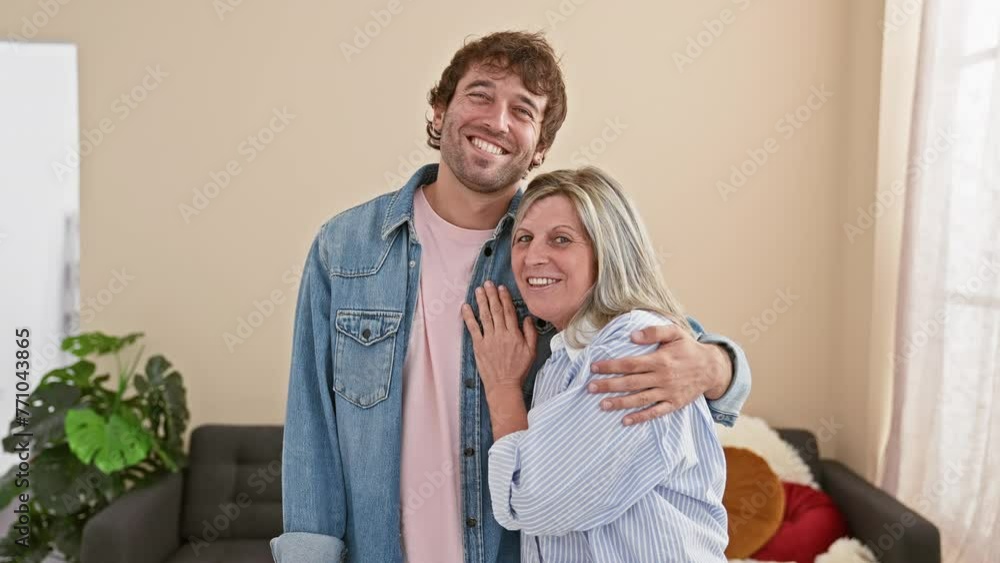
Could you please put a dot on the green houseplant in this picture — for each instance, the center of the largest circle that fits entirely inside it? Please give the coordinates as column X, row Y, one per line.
column 90, row 443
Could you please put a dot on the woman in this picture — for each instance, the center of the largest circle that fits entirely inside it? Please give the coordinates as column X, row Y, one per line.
column 579, row 484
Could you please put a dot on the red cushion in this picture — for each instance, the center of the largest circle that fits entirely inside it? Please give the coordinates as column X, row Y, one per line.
column 811, row 524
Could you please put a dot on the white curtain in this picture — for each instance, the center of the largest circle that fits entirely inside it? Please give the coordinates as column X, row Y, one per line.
column 943, row 453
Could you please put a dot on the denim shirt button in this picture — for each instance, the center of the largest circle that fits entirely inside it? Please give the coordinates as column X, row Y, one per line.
column 471, row 522
column 413, row 263
column 488, row 252
column 469, row 452
column 470, row 383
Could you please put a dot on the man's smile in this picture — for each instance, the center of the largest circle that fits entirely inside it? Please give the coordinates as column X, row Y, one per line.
column 486, row 146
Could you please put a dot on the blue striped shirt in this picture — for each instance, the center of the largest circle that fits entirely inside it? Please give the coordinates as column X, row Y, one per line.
column 581, row 486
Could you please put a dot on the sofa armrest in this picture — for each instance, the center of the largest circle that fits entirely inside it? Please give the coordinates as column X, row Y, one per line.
column 142, row 525
column 892, row 531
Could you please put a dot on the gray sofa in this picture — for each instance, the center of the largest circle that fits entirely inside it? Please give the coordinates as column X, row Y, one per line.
column 231, row 489
column 226, row 505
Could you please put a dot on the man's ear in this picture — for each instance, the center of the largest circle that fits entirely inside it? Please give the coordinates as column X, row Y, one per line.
column 438, row 120
column 539, row 157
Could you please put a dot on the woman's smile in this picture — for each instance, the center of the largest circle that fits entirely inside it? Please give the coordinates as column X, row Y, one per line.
column 541, row 283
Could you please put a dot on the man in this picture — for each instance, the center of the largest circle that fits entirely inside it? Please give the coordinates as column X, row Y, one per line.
column 387, row 432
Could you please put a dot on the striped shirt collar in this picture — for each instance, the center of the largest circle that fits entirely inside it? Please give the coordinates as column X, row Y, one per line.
column 585, row 331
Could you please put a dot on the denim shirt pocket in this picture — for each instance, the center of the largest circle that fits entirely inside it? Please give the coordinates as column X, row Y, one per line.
column 364, row 355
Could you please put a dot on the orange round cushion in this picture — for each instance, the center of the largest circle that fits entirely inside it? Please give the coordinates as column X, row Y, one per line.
column 754, row 500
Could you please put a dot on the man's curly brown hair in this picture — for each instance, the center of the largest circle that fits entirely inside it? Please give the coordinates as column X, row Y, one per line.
column 529, row 56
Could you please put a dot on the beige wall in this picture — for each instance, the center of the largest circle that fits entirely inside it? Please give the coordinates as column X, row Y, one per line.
column 683, row 129
column 851, row 392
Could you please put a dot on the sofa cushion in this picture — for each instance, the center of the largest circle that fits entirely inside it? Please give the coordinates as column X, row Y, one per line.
column 811, row 524
column 232, row 485
column 754, row 501
column 224, row 551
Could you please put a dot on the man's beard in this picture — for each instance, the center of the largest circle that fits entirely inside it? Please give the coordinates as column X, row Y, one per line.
column 471, row 171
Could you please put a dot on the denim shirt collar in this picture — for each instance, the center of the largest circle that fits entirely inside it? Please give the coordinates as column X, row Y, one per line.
column 400, row 209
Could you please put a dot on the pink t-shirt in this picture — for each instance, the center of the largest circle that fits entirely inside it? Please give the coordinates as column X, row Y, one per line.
column 430, row 486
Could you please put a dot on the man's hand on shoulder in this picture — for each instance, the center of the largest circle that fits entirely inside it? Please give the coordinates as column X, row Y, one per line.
column 677, row 373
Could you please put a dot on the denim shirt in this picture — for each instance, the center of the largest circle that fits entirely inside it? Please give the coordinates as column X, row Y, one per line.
column 341, row 450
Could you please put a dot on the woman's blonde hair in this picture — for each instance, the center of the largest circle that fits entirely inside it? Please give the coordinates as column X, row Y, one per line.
column 628, row 271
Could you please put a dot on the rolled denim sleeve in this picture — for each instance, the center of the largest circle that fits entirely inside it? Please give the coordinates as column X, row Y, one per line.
column 312, row 480
column 726, row 409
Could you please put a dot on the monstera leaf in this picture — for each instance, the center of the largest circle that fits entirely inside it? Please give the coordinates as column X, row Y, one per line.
column 37, row 549
column 64, row 485
column 8, row 486
column 79, row 374
column 47, row 407
column 97, row 343
column 90, row 442
column 166, row 397
column 112, row 444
